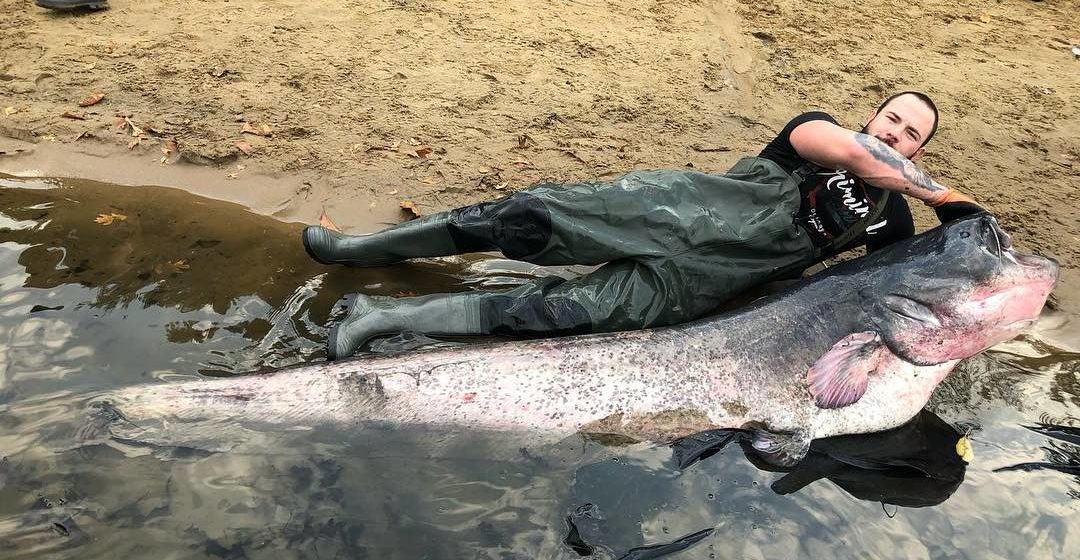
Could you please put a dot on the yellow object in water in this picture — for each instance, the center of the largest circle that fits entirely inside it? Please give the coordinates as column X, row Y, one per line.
column 963, row 449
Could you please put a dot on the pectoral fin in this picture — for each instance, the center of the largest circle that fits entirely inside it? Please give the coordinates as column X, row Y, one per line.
column 839, row 377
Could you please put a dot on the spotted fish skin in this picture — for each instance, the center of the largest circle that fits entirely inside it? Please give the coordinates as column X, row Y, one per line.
column 926, row 303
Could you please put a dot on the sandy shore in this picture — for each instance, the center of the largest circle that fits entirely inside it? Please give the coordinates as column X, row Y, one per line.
column 292, row 107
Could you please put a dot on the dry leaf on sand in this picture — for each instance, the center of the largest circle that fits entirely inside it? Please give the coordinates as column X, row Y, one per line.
column 92, row 100
column 256, row 129
column 169, row 148
column 419, row 153
column 409, row 207
column 108, row 219
column 327, row 223
column 245, row 147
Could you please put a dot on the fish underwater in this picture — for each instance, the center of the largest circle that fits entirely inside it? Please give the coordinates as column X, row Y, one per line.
column 857, row 348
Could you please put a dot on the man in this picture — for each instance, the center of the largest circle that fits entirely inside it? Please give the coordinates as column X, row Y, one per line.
column 673, row 245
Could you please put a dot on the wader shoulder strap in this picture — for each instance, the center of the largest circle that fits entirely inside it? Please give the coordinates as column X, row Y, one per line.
column 859, row 227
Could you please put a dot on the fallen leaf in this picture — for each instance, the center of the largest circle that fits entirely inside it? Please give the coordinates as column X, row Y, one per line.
column 10, row 110
column 963, row 449
column 256, row 129
column 74, row 115
column 135, row 142
column 92, row 100
column 327, row 223
column 168, row 149
column 245, row 147
column 180, row 264
column 409, row 207
column 108, row 219
column 421, row 152
column 404, row 293
column 125, row 122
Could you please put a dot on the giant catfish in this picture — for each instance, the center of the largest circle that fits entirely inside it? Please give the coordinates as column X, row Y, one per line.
column 858, row 348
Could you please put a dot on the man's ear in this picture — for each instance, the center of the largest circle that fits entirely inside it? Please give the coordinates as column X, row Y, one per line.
column 918, row 154
column 869, row 118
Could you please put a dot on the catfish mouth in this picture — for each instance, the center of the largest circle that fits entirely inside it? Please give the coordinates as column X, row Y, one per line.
column 1030, row 261
column 999, row 244
column 997, row 241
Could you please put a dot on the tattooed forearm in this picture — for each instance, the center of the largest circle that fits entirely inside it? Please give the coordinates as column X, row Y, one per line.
column 912, row 174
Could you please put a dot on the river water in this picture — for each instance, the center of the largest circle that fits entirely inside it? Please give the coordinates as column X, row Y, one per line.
column 103, row 287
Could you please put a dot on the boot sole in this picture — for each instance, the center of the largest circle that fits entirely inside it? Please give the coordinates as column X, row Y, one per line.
column 332, row 334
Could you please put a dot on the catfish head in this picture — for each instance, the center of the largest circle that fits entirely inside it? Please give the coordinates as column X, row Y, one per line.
column 954, row 291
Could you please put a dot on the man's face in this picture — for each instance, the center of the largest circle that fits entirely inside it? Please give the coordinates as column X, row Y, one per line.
column 903, row 125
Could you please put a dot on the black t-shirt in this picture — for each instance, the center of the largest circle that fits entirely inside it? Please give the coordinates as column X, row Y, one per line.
column 833, row 199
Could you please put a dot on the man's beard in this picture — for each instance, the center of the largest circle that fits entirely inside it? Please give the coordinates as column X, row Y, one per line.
column 865, row 130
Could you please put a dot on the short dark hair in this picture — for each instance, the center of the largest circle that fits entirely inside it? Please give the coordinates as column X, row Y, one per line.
column 925, row 99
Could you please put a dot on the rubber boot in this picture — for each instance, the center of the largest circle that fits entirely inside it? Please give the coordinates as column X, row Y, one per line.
column 73, row 4
column 527, row 310
column 422, row 237
column 368, row 317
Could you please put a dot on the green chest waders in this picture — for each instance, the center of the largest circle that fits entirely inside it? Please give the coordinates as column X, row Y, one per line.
column 674, row 246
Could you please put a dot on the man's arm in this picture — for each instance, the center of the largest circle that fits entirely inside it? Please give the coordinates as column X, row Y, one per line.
column 835, row 147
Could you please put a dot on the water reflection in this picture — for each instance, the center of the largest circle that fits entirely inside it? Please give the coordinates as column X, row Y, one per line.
column 220, row 270
column 1062, row 455
column 914, row 465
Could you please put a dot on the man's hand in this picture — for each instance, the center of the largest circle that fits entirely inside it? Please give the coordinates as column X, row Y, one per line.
column 953, row 205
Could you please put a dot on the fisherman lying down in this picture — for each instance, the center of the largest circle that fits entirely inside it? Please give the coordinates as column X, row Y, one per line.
column 673, row 245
